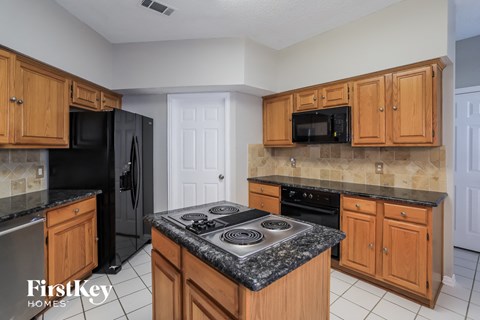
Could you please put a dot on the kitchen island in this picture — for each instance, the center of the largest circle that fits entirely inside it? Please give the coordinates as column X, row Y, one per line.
column 194, row 279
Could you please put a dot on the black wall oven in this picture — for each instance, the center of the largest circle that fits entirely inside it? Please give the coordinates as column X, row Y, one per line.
column 330, row 125
column 319, row 207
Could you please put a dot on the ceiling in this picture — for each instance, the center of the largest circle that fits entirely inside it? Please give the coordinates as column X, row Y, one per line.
column 274, row 23
column 468, row 18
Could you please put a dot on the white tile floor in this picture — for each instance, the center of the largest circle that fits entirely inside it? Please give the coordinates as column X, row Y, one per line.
column 350, row 298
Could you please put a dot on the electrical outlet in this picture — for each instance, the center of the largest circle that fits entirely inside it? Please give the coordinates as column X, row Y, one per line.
column 379, row 167
column 40, row 172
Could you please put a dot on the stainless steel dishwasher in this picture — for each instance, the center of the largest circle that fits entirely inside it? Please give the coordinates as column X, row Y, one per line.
column 21, row 259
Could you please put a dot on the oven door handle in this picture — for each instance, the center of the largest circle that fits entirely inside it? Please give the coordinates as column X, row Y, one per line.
column 324, row 211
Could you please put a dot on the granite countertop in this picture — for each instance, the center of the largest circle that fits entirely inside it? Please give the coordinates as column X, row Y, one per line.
column 30, row 203
column 261, row 269
column 418, row 197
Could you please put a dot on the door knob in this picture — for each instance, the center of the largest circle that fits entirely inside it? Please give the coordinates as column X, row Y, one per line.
column 221, row 176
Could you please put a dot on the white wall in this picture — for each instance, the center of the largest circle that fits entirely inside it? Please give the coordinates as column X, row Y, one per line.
column 45, row 31
column 406, row 32
column 467, row 62
column 246, row 128
column 155, row 107
column 182, row 63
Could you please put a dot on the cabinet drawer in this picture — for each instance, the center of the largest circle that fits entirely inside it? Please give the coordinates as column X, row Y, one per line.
column 71, row 211
column 405, row 213
column 265, row 189
column 265, row 203
column 169, row 249
column 360, row 205
column 221, row 289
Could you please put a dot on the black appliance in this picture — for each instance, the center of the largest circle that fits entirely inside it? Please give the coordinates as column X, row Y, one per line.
column 111, row 151
column 319, row 207
column 330, row 125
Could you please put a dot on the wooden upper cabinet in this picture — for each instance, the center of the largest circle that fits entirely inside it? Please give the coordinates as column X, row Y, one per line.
column 412, row 107
column 334, row 95
column 41, row 110
column 369, row 110
column 358, row 249
column 85, row 96
column 277, row 121
column 306, row 100
column 405, row 255
column 6, row 93
column 110, row 101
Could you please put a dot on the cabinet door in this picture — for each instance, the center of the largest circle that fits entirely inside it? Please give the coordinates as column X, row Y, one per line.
column 369, row 111
column 335, row 95
column 6, row 92
column 412, row 106
column 110, row 101
column 84, row 95
column 277, row 121
column 358, row 248
column 41, row 113
column 198, row 306
column 72, row 249
column 167, row 286
column 306, row 100
column 405, row 255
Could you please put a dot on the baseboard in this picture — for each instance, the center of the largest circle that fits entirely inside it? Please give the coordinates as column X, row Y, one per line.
column 449, row 281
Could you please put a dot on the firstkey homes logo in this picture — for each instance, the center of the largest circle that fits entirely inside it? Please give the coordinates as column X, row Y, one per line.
column 96, row 294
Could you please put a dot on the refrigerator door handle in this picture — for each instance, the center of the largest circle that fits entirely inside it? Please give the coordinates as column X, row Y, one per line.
column 132, row 178
column 138, row 172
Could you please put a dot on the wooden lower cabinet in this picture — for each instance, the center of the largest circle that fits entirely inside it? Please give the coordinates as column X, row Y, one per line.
column 358, row 249
column 167, row 289
column 198, row 306
column 405, row 255
column 72, row 244
column 397, row 246
column 208, row 294
column 264, row 197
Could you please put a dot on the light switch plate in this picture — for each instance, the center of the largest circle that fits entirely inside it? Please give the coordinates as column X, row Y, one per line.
column 40, row 172
column 379, row 167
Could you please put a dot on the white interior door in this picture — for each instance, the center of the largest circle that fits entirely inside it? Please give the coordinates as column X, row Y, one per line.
column 467, row 172
column 196, row 149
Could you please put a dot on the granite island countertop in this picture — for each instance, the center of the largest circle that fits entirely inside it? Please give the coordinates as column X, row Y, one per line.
column 417, row 197
column 261, row 269
column 30, row 203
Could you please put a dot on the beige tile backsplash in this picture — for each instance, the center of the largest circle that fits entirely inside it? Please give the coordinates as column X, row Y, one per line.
column 412, row 168
column 18, row 171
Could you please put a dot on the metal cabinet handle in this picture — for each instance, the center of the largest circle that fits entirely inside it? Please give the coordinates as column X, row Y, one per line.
column 385, row 250
column 261, row 189
column 323, row 97
column 357, row 205
column 314, row 98
column 19, row 101
column 381, row 109
column 370, row 245
column 261, row 205
column 395, row 108
column 13, row 99
column 403, row 214
column 76, row 210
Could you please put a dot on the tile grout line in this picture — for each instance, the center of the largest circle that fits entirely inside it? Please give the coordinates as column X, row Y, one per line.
column 381, row 298
column 471, row 290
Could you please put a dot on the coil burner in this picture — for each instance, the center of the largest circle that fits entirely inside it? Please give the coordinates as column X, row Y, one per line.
column 194, row 217
column 276, row 225
column 242, row 237
column 224, row 210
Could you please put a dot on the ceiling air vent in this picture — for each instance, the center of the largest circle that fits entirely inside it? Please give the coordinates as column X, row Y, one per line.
column 156, row 6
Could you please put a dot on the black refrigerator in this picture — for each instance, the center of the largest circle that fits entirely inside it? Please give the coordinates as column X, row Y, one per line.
column 111, row 151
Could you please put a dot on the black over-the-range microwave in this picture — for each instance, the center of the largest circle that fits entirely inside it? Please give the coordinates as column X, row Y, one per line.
column 330, row 125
